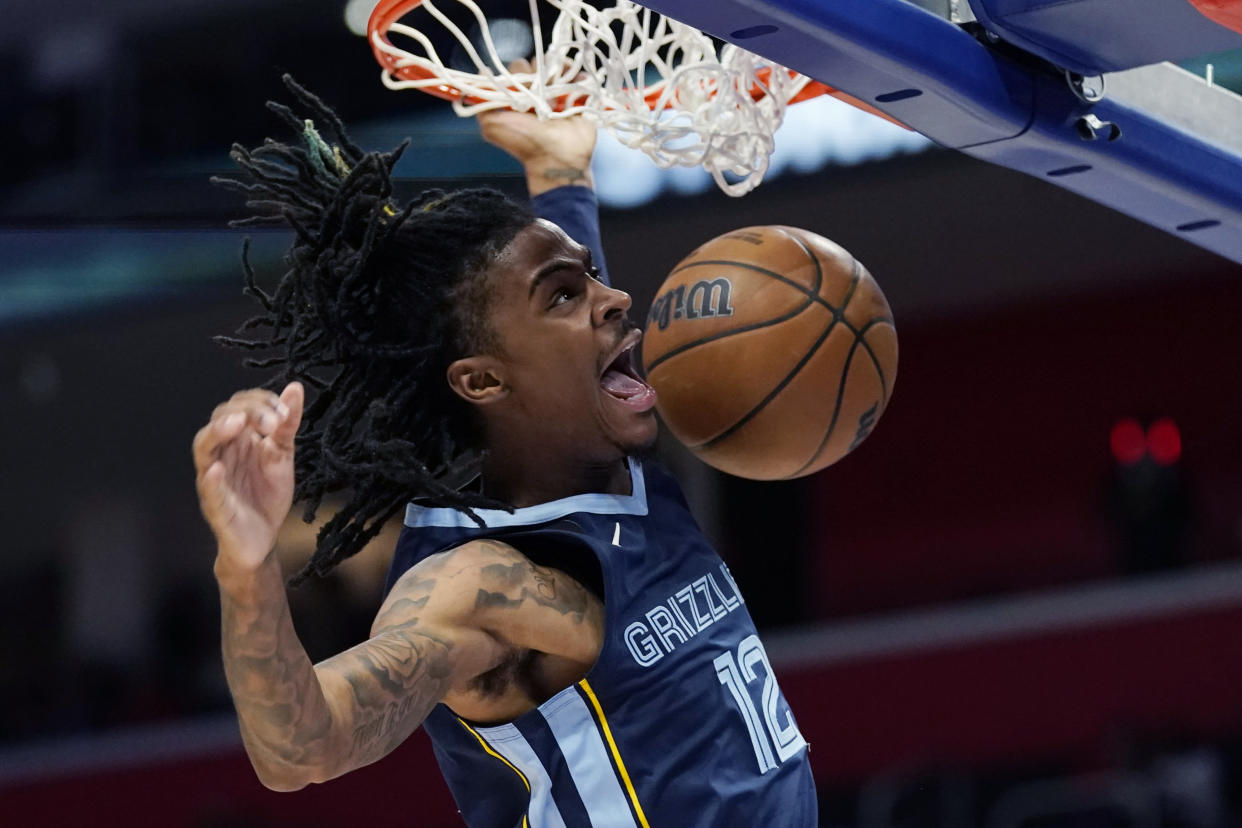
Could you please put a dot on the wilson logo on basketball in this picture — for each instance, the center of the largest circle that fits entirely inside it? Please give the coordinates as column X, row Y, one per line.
column 705, row 299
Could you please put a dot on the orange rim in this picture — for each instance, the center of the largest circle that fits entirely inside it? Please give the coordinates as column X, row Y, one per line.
column 388, row 12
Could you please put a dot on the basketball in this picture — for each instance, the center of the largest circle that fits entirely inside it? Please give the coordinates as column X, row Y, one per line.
column 772, row 350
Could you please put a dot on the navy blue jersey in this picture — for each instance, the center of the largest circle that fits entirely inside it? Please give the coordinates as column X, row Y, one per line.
column 679, row 723
column 575, row 210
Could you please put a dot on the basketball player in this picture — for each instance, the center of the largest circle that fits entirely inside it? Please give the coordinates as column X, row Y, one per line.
column 577, row 652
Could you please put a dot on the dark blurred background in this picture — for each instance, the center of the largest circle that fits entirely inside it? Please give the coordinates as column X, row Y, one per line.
column 1018, row 603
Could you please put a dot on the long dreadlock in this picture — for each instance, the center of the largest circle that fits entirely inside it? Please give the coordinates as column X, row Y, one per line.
column 377, row 301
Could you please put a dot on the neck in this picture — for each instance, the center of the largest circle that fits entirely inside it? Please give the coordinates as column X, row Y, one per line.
column 529, row 480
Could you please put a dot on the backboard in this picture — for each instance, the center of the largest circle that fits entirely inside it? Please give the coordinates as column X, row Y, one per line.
column 1075, row 94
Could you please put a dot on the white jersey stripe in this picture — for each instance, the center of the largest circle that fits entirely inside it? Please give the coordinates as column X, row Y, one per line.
column 509, row 742
column 587, row 757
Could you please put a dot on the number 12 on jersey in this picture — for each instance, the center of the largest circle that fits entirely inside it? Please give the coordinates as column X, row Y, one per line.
column 774, row 731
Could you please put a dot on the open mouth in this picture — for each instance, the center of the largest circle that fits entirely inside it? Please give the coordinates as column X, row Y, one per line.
column 622, row 382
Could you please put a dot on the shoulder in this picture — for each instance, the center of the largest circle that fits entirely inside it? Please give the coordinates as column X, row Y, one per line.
column 490, row 586
column 479, row 576
column 449, row 580
column 464, row 564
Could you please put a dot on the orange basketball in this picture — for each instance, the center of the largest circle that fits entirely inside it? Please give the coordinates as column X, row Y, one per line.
column 772, row 350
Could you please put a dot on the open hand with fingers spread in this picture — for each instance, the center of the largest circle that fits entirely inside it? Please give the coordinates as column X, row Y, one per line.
column 244, row 463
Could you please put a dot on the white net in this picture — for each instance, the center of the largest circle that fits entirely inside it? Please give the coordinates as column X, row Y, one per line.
column 658, row 85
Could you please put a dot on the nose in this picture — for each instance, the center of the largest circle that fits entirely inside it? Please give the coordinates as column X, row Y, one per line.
column 610, row 305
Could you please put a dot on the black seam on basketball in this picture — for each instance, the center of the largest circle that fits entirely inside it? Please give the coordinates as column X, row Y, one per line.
column 855, row 277
column 749, row 415
column 754, row 326
column 837, row 317
column 788, row 378
column 855, row 280
column 845, row 372
column 879, row 369
column 836, row 412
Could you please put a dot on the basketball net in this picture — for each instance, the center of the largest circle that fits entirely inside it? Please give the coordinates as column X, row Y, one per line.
column 657, row 85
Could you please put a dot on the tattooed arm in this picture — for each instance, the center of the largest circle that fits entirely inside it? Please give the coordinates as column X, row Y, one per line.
column 306, row 724
column 302, row 723
column 533, row 607
column 447, row 621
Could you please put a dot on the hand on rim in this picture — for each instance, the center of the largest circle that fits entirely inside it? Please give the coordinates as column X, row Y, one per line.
column 554, row 152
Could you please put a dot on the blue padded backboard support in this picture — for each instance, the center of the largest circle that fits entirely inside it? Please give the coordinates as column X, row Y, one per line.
column 1014, row 111
column 1096, row 36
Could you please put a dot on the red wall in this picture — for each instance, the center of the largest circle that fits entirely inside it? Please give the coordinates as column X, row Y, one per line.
column 214, row 791
column 987, row 471
column 1070, row 696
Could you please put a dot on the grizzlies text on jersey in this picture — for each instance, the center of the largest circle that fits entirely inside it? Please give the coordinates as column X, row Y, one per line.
column 679, row 724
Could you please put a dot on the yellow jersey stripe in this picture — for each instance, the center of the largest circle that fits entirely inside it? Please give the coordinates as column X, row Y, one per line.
column 616, row 754
column 488, row 749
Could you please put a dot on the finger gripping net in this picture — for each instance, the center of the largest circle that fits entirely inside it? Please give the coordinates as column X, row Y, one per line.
column 658, row 85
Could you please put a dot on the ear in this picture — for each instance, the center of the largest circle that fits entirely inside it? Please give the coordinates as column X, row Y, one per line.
column 478, row 379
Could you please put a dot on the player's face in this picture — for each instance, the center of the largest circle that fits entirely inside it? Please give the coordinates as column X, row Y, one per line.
column 568, row 358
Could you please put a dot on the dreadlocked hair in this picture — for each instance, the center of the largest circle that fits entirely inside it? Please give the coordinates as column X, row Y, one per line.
column 377, row 301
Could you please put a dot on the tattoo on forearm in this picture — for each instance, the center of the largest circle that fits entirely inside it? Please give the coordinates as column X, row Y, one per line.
column 381, row 727
column 357, row 706
column 268, row 674
column 395, row 678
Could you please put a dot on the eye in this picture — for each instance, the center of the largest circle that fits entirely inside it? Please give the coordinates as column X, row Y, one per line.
column 562, row 295
column 593, row 272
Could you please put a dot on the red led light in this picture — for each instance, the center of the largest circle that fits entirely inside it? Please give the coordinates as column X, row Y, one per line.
column 1127, row 441
column 1164, row 441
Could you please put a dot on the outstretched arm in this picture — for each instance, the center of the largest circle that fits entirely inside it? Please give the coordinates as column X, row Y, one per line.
column 556, row 157
column 244, row 463
column 303, row 723
column 553, row 153
column 449, row 619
